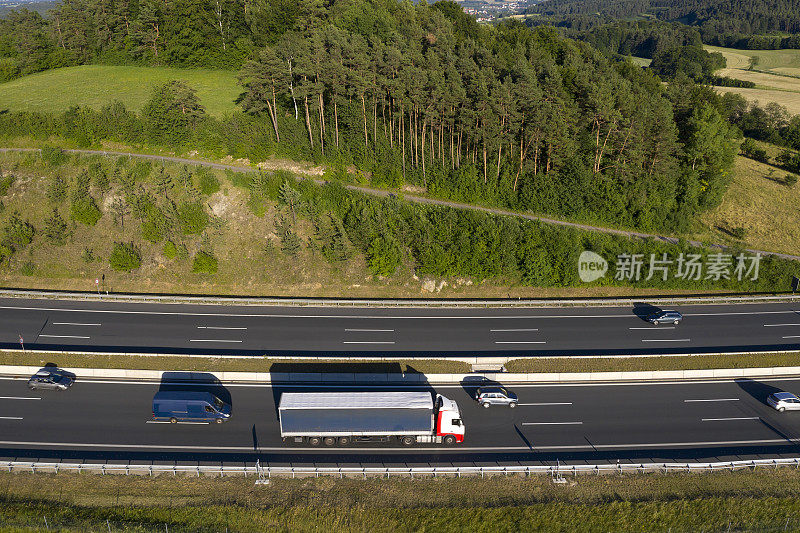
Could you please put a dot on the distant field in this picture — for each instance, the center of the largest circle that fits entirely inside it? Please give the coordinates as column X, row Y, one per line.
column 772, row 77
column 97, row 85
column 759, row 203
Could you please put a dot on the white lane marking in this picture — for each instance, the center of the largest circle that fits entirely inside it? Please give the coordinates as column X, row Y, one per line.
column 212, row 340
column 779, row 325
column 552, row 423
column 666, row 340
column 714, row 400
column 178, row 422
column 73, row 324
column 380, row 317
column 368, row 330
column 520, row 342
column 548, row 403
column 731, row 418
column 368, row 342
column 10, row 418
column 791, row 337
column 18, row 398
column 65, row 336
column 656, row 327
column 216, row 327
column 516, row 329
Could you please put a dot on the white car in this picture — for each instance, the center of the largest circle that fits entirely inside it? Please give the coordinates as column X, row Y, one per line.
column 784, row 401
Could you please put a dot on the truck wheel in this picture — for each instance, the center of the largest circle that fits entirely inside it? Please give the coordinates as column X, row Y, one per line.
column 449, row 439
column 408, row 441
column 173, row 420
column 329, row 441
column 314, row 441
column 344, row 441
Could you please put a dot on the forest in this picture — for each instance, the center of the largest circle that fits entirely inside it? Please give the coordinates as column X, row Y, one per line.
column 420, row 94
column 760, row 24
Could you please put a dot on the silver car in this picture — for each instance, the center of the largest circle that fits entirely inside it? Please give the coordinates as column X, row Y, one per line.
column 50, row 378
column 488, row 396
column 784, row 401
column 665, row 317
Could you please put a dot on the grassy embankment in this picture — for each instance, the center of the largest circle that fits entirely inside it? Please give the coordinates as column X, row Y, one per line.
column 740, row 501
column 243, row 239
column 758, row 201
column 777, row 75
column 98, row 85
column 425, row 366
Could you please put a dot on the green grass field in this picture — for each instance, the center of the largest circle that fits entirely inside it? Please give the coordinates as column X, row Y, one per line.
column 777, row 61
column 96, row 85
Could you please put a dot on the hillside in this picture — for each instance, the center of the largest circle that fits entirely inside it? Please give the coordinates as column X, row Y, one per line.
column 97, row 85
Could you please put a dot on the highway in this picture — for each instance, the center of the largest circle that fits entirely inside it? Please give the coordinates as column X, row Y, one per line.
column 110, row 421
column 326, row 331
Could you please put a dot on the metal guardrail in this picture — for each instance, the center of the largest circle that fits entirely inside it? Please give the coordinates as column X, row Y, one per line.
column 420, row 302
column 267, row 472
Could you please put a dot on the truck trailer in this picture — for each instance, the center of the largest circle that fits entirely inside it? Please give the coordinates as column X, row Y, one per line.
column 344, row 417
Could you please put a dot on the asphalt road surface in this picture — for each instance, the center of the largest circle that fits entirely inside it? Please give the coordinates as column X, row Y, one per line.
column 641, row 422
column 208, row 329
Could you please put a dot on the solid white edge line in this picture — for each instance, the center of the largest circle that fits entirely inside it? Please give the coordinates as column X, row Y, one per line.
column 666, row 340
column 65, row 336
column 656, row 328
column 369, row 330
column 731, row 418
column 552, row 423
column 714, row 400
column 211, row 340
column 72, row 324
column 451, row 449
column 178, row 422
column 778, row 325
column 216, row 327
column 547, row 403
column 520, row 342
column 791, row 337
column 382, row 317
column 515, row 329
column 10, row 418
column 367, row 342
column 19, row 398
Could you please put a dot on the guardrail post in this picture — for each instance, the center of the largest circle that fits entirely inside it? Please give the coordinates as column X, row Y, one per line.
column 151, row 470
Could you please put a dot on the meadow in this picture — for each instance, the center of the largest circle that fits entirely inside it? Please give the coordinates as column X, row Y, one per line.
column 97, row 85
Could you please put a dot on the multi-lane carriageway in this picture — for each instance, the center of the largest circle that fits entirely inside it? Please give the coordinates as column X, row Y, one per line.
column 245, row 330
column 719, row 420
column 716, row 420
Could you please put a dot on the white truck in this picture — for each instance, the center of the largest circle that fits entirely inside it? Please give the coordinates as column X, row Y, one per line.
column 345, row 417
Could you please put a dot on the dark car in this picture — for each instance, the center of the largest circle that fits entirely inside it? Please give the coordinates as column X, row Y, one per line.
column 488, row 396
column 665, row 317
column 51, row 378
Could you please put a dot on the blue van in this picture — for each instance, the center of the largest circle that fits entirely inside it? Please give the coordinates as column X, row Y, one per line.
column 188, row 406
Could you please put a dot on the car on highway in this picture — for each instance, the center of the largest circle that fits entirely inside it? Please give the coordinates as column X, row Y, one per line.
column 488, row 396
column 51, row 378
column 784, row 401
column 665, row 317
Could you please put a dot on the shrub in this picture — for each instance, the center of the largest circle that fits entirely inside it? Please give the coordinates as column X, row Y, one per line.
column 55, row 229
column 125, row 257
column 739, row 232
column 383, row 256
column 57, row 189
column 170, row 250
column 192, row 218
column 204, row 263
column 207, row 182
column 85, row 210
column 28, row 269
column 790, row 180
column 53, row 155
column 88, row 255
column 18, row 232
column 753, row 151
column 6, row 183
column 99, row 177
